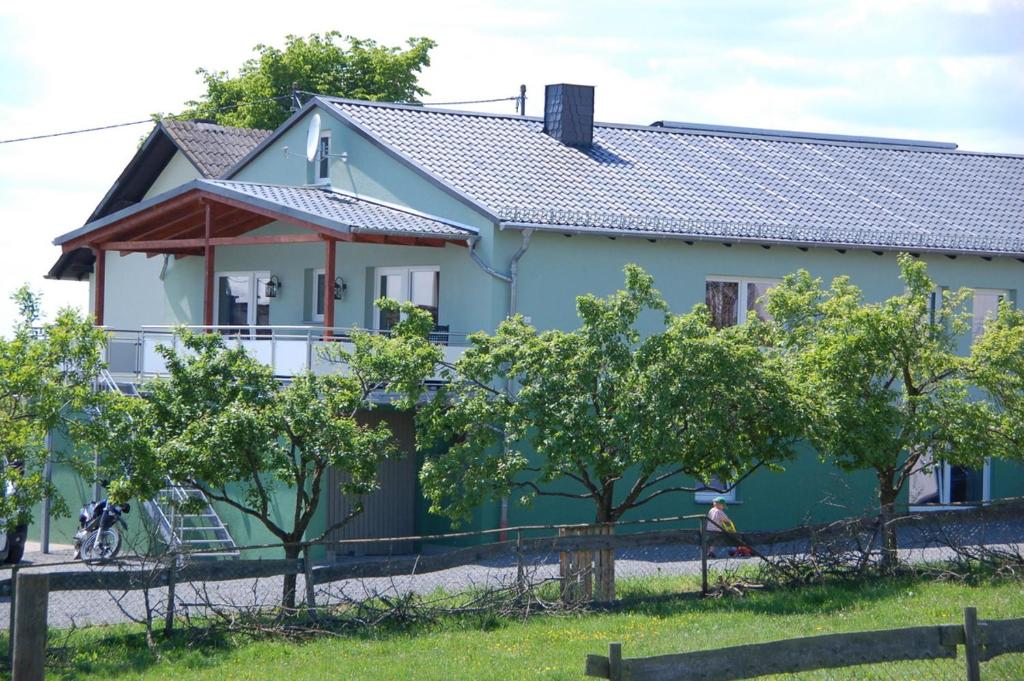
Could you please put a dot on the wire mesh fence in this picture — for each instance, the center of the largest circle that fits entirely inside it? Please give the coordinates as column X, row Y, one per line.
column 520, row 572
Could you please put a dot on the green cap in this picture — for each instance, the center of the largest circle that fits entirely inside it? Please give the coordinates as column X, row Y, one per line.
column 719, row 500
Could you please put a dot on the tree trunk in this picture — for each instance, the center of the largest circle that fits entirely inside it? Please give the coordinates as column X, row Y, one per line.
column 886, row 499
column 292, row 550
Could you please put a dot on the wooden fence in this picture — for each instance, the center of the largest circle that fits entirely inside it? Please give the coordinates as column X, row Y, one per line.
column 982, row 640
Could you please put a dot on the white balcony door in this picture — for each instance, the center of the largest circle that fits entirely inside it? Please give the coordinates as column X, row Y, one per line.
column 421, row 285
column 242, row 302
column 941, row 483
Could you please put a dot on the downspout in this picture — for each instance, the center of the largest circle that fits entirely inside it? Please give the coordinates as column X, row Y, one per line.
column 512, row 279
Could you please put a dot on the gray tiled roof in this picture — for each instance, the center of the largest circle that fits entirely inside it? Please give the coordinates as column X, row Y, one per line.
column 213, row 148
column 363, row 216
column 708, row 184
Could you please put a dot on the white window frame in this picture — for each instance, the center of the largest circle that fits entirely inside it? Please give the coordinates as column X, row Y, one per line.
column 1002, row 292
column 320, row 160
column 406, row 273
column 254, row 276
column 741, row 299
column 706, row 496
column 318, row 317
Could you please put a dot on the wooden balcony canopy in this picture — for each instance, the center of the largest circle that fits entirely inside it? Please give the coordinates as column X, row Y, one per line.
column 201, row 215
column 176, row 222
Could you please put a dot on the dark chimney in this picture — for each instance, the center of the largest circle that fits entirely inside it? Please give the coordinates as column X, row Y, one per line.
column 569, row 113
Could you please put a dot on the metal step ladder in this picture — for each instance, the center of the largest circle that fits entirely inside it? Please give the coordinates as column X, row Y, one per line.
column 184, row 517
column 187, row 521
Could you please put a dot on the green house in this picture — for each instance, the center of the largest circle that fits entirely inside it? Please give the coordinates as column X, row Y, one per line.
column 283, row 238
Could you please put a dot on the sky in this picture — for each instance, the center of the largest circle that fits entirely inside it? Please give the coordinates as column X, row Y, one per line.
column 948, row 70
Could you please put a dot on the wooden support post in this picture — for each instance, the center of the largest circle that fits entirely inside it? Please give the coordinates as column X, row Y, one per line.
column 208, row 256
column 972, row 645
column 30, row 628
column 703, row 558
column 520, row 566
column 329, row 275
column 615, row 661
column 100, row 284
column 307, row 570
column 172, row 577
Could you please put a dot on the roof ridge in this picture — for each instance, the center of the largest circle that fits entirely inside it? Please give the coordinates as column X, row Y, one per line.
column 711, row 130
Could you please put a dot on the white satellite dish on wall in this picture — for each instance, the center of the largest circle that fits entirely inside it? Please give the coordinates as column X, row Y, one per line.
column 313, row 138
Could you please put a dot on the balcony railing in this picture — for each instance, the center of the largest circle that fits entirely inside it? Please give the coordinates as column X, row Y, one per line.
column 288, row 350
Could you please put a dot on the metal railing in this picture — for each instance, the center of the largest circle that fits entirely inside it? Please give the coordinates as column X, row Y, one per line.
column 288, row 350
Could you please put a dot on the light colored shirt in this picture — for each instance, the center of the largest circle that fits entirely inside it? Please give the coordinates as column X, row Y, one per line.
column 717, row 515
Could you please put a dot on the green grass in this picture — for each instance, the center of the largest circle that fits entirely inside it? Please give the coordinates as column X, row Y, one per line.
column 555, row 646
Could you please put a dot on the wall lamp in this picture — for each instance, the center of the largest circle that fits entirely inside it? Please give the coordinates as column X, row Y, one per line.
column 273, row 286
column 340, row 287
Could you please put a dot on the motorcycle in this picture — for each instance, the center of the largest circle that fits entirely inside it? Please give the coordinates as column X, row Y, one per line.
column 98, row 537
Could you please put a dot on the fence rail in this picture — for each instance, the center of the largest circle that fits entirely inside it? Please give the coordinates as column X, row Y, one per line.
column 982, row 641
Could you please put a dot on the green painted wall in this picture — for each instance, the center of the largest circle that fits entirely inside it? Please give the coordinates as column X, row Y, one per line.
column 177, row 172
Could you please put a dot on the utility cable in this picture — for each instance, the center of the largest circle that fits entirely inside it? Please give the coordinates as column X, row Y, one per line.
column 140, row 122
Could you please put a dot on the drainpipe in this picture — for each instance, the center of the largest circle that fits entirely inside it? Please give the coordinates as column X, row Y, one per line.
column 512, row 279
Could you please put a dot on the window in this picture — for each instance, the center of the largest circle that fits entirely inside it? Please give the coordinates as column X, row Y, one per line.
column 733, row 301
column 711, row 489
column 985, row 307
column 242, row 301
column 317, row 302
column 323, row 159
column 940, row 483
column 420, row 285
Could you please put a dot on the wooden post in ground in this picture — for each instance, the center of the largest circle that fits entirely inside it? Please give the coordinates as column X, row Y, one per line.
column 172, row 573
column 615, row 661
column 520, row 566
column 703, row 559
column 30, row 628
column 307, row 570
column 604, row 569
column 972, row 644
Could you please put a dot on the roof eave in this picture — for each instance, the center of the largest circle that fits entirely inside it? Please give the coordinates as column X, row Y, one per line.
column 682, row 236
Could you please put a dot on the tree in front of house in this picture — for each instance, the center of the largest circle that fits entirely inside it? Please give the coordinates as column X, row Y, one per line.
column 46, row 376
column 260, row 95
column 606, row 415
column 222, row 423
column 998, row 369
column 886, row 389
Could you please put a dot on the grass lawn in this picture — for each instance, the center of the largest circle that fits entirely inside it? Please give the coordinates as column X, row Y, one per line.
column 554, row 647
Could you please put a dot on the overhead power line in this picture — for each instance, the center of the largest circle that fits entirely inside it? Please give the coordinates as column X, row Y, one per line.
column 139, row 122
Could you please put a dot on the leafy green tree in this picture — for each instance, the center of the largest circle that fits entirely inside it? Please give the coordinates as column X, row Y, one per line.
column 329, row 64
column 46, row 376
column 997, row 364
column 614, row 418
column 222, row 423
column 886, row 389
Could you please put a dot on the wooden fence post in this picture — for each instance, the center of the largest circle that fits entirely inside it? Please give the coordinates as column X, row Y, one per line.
column 14, row 603
column 615, row 661
column 520, row 566
column 172, row 575
column 307, row 569
column 972, row 650
column 703, row 559
column 30, row 628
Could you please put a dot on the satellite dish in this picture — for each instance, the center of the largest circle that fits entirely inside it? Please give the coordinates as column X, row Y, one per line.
column 313, row 138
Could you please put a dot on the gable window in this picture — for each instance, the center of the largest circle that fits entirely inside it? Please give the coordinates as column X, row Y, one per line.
column 419, row 285
column 733, row 300
column 317, row 295
column 985, row 306
column 706, row 492
column 242, row 302
column 323, row 163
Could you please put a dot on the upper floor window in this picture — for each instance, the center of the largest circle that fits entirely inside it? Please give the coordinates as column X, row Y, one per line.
column 985, row 306
column 733, row 301
column 323, row 162
column 420, row 285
